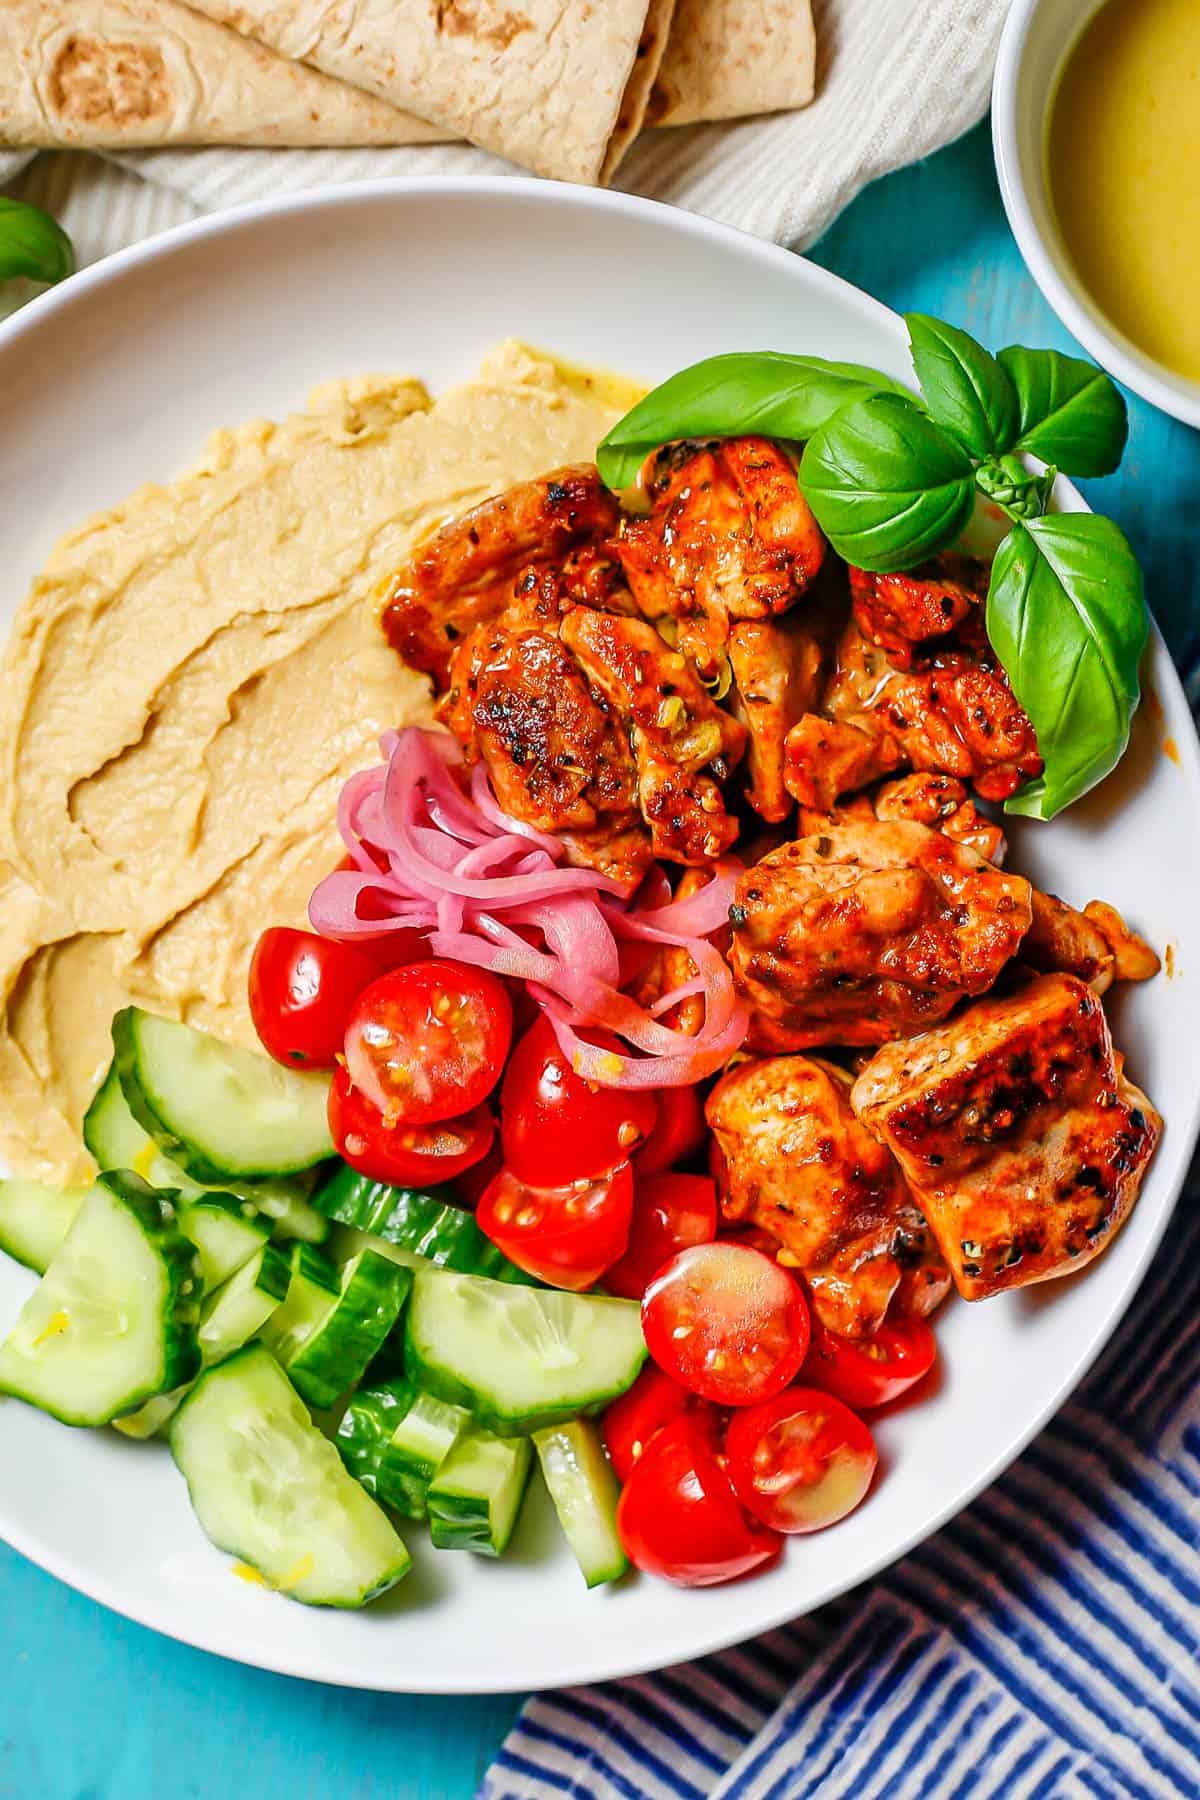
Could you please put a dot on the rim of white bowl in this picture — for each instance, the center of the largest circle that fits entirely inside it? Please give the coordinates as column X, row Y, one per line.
column 1184, row 1131
column 1047, row 261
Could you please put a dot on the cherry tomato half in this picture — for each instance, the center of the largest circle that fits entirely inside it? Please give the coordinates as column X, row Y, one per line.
column 669, row 1213
column 428, row 1042
column 875, row 1370
column 406, row 1155
column 302, row 988
column 640, row 1413
column 801, row 1461
column 557, row 1127
column 679, row 1517
column 727, row 1322
column 566, row 1235
column 678, row 1132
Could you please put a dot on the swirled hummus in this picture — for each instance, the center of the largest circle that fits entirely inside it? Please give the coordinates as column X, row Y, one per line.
column 187, row 687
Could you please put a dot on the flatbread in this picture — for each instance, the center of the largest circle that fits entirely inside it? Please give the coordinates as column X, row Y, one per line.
column 559, row 86
column 120, row 74
column 727, row 59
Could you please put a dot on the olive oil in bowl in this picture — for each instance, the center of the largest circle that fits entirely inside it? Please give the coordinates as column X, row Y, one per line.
column 1123, row 170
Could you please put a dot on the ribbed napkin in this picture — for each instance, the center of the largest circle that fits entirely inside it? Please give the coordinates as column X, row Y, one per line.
column 1043, row 1646
column 896, row 80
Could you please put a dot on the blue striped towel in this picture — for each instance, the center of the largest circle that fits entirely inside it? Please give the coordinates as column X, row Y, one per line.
column 1043, row 1646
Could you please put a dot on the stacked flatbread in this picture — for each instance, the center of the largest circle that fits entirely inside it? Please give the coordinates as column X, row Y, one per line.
column 561, row 87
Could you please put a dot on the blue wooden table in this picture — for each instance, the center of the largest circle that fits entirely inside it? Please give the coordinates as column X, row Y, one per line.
column 94, row 1708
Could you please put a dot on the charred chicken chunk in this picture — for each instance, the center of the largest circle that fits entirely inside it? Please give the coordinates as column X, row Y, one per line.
column 1021, row 1139
column 868, row 931
column 684, row 745
column 730, row 536
column 942, row 803
column 1095, row 944
column 794, row 1161
column 463, row 574
column 899, row 612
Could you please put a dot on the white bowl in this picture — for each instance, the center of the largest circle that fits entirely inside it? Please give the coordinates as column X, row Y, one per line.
column 1037, row 38
column 115, row 379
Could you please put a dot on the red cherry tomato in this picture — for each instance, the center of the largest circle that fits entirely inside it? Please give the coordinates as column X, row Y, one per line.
column 669, row 1213
column 566, row 1235
column 474, row 1183
column 639, row 1414
column 302, row 988
column 557, row 1127
column 727, row 1322
column 801, row 1461
column 428, row 1042
column 679, row 1517
column 678, row 1132
column 406, row 1155
column 875, row 1370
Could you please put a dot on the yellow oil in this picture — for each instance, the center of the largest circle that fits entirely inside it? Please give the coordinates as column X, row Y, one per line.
column 1123, row 163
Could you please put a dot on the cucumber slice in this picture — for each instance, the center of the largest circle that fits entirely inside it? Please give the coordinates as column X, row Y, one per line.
column 326, row 1355
column 117, row 1141
column 113, row 1319
column 217, row 1110
column 519, row 1358
column 585, row 1493
column 426, row 1223
column 267, row 1487
column 416, row 1450
column 34, row 1220
column 228, row 1319
column 367, row 1425
column 314, row 1286
column 226, row 1231
column 476, row 1495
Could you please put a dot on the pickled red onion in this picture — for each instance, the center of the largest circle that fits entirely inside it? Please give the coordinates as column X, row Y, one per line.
column 492, row 891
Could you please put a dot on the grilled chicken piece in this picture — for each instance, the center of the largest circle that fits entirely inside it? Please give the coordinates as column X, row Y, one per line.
column 730, row 537
column 793, row 1160
column 868, row 931
column 899, row 612
column 462, row 575
column 778, row 667
column 1021, row 1140
column 1095, row 944
column 943, row 704
column 684, row 744
column 942, row 803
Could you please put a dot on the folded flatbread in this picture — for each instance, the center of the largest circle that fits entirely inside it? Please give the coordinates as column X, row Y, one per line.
column 559, row 86
column 727, row 59
column 120, row 74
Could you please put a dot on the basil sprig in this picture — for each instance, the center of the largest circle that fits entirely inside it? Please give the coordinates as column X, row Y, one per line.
column 32, row 244
column 892, row 479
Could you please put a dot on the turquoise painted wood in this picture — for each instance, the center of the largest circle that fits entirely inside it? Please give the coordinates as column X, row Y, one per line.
column 94, row 1708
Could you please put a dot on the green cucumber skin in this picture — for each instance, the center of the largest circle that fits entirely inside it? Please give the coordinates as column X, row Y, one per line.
column 156, row 1215
column 426, row 1222
column 366, row 1428
column 337, row 1354
column 194, row 1162
column 463, row 1521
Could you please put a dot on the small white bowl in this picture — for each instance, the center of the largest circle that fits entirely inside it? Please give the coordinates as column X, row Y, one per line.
column 1034, row 46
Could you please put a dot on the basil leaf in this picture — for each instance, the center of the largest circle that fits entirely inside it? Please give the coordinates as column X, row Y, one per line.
column 967, row 391
column 763, row 392
column 887, row 487
column 1067, row 617
column 32, row 244
column 1071, row 413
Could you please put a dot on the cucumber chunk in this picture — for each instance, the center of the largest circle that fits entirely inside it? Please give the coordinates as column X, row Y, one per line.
column 585, row 1493
column 315, row 1284
column 217, row 1110
column 226, row 1231
column 427, row 1223
column 228, row 1319
column 327, row 1354
column 268, row 1488
column 34, row 1220
column 519, row 1358
column 475, row 1496
column 117, row 1141
column 366, row 1427
column 416, row 1451
column 113, row 1319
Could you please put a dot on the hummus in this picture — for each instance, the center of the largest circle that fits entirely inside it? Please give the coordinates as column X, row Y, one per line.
column 187, row 687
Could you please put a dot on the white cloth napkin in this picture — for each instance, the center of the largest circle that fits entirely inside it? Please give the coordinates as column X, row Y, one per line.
column 896, row 79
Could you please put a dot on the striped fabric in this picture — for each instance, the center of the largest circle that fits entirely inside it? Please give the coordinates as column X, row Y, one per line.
column 897, row 79
column 1044, row 1646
